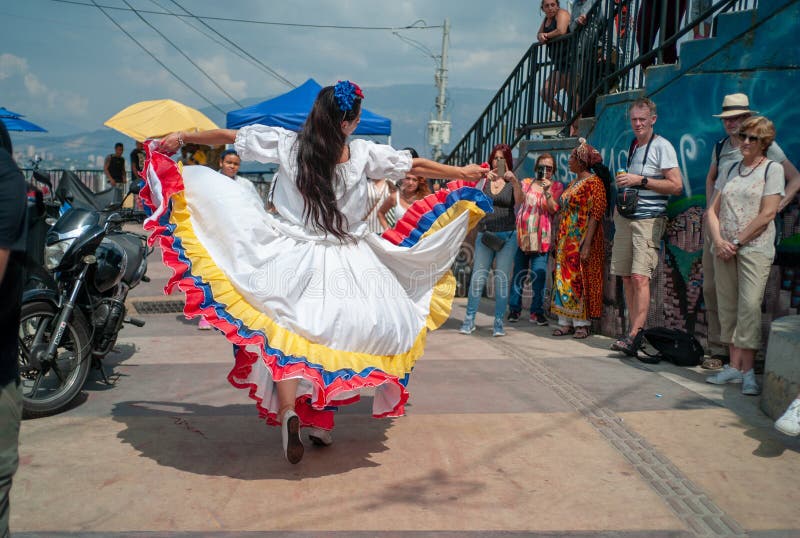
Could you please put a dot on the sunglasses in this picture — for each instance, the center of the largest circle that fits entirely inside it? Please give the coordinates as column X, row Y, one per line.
column 545, row 167
column 748, row 138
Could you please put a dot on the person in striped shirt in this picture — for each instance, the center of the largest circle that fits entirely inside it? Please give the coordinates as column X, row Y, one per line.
column 652, row 176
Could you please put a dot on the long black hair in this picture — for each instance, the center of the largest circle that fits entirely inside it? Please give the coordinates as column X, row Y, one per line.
column 320, row 146
column 5, row 139
column 602, row 171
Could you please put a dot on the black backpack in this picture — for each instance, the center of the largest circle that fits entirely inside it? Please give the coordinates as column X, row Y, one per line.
column 674, row 345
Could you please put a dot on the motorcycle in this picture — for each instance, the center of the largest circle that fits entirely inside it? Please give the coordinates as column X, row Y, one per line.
column 71, row 321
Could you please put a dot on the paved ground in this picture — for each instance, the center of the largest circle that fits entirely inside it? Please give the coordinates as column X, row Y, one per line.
column 527, row 435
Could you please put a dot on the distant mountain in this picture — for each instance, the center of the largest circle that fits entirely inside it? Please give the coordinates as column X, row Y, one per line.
column 409, row 106
column 77, row 151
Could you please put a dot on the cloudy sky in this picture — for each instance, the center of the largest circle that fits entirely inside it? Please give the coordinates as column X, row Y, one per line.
column 67, row 66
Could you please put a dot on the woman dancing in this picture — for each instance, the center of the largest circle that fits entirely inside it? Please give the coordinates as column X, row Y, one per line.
column 303, row 293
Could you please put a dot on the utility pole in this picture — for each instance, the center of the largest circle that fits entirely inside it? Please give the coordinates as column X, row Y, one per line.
column 439, row 128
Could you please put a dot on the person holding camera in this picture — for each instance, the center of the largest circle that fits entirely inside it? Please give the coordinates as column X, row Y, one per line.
column 580, row 247
column 496, row 241
column 534, row 237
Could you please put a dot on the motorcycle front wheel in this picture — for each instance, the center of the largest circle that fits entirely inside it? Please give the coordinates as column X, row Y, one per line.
column 48, row 387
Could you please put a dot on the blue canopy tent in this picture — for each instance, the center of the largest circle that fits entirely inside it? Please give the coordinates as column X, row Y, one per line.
column 290, row 110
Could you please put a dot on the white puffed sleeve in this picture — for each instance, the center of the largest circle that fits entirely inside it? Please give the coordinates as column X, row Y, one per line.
column 261, row 142
column 386, row 162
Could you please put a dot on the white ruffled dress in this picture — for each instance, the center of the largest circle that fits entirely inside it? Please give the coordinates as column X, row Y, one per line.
column 342, row 317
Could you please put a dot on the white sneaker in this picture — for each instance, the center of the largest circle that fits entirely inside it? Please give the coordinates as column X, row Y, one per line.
column 290, row 435
column 749, row 385
column 789, row 423
column 320, row 437
column 727, row 375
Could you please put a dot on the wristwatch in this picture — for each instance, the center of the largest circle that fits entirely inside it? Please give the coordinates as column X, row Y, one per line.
column 644, row 182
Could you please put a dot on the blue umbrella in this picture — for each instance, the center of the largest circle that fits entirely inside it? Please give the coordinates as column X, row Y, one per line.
column 14, row 122
column 18, row 124
column 6, row 113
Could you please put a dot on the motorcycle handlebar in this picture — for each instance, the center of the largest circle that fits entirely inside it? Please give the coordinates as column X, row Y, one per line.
column 117, row 217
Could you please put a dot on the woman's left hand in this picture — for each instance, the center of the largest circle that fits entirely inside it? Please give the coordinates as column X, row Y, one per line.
column 585, row 250
column 726, row 250
column 509, row 176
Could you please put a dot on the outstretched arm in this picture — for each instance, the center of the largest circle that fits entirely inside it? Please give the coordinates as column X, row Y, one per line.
column 432, row 169
column 214, row 137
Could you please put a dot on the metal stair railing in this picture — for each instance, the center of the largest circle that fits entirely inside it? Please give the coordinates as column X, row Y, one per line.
column 610, row 52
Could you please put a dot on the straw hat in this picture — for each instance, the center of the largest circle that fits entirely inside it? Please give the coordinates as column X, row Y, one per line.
column 735, row 104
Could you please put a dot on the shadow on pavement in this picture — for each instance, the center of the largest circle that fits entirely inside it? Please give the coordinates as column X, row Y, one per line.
column 94, row 381
column 232, row 441
column 753, row 422
column 119, row 355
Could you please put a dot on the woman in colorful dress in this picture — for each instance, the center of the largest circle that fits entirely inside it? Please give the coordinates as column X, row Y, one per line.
column 302, row 292
column 534, row 237
column 580, row 247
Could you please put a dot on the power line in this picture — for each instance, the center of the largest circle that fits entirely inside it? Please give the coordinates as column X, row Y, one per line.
column 193, row 26
column 165, row 38
column 267, row 68
column 153, row 56
column 416, row 25
column 417, row 45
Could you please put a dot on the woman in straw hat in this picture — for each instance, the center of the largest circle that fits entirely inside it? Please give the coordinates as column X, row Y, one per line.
column 741, row 225
column 726, row 152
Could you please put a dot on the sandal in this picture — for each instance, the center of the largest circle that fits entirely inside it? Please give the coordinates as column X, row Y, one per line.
column 563, row 330
column 625, row 345
column 581, row 333
column 711, row 364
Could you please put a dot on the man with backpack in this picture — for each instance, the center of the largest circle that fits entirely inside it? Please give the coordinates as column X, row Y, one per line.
column 735, row 109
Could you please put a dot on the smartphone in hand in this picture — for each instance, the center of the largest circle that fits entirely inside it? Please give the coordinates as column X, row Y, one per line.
column 501, row 166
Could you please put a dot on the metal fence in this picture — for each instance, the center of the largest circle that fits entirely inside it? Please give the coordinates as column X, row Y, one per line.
column 555, row 84
column 96, row 179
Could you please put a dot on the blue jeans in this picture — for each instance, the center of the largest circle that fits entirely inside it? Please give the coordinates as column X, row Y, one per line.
column 484, row 256
column 533, row 268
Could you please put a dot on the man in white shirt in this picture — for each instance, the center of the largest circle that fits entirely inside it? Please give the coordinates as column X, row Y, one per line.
column 652, row 176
